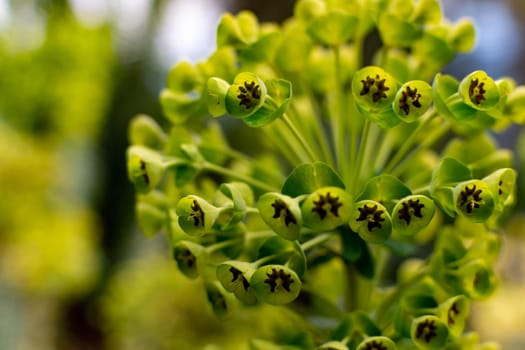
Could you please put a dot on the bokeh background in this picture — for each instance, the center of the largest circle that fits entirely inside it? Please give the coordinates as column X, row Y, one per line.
column 75, row 273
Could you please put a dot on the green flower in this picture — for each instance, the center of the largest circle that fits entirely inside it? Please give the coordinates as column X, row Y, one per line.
column 195, row 215
column 327, row 208
column 371, row 221
column 377, row 343
column 454, row 312
column 245, row 96
column 429, row 332
column 189, row 256
column 479, row 91
column 276, row 284
column 282, row 213
column 235, row 278
column 412, row 100
column 145, row 168
column 374, row 89
column 474, row 200
column 412, row 214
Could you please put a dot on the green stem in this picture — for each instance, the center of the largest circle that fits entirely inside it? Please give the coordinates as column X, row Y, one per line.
column 360, row 157
column 238, row 176
column 218, row 246
column 351, row 288
column 338, row 119
column 316, row 240
column 429, row 142
column 409, row 142
column 291, row 126
column 287, row 146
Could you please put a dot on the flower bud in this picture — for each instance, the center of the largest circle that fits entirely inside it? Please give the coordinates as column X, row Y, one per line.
column 196, row 215
column 412, row 100
column 234, row 277
column 429, row 332
column 144, row 130
column 412, row 214
column 281, row 213
column 371, row 221
column 474, row 200
column 327, row 208
column 276, row 284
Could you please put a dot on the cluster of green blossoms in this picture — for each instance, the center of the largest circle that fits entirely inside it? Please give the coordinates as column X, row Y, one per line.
column 379, row 167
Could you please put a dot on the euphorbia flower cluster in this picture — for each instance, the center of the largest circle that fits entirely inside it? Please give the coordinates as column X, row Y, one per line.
column 363, row 161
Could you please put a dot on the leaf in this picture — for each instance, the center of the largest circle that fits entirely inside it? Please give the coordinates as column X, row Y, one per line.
column 334, row 28
column 308, row 177
column 384, row 189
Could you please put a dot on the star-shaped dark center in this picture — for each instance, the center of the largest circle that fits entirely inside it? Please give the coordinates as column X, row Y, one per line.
column 375, row 345
column 376, row 86
column 372, row 215
column 452, row 312
column 470, row 197
column 427, row 330
column 327, row 204
column 144, row 171
column 237, row 275
column 197, row 214
column 279, row 278
column 409, row 208
column 476, row 91
column 280, row 210
column 249, row 94
column 218, row 300
column 414, row 97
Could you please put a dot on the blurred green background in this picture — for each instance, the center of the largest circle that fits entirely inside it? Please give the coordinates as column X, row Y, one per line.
column 75, row 273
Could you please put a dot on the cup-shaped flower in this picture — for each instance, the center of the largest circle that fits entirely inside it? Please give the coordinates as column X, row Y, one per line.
column 429, row 332
column 246, row 95
column 234, row 277
column 377, row 343
column 145, row 168
column 195, row 215
column 474, row 200
column 333, row 345
column 189, row 256
column 220, row 301
column 454, row 312
column 502, row 185
column 479, row 91
column 276, row 284
column 477, row 280
column 374, row 89
column 371, row 221
column 150, row 218
column 145, row 131
column 412, row 100
column 412, row 214
column 327, row 208
column 282, row 213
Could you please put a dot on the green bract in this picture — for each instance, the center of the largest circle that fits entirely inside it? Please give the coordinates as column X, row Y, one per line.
column 276, row 284
column 188, row 256
column 326, row 208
